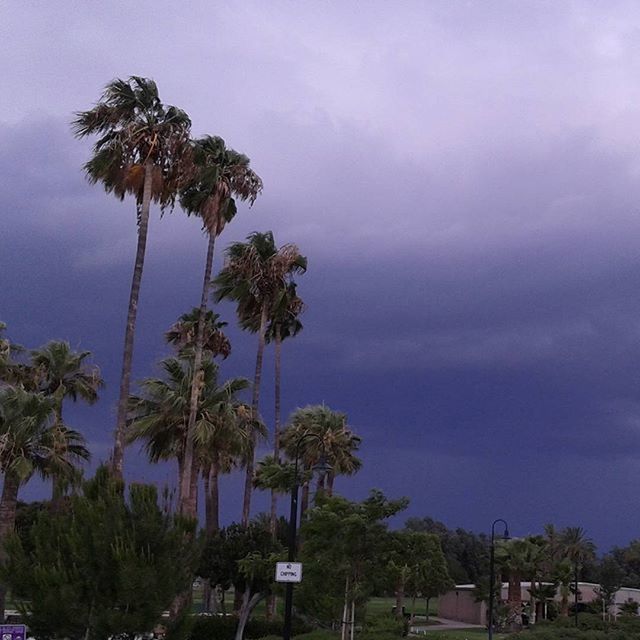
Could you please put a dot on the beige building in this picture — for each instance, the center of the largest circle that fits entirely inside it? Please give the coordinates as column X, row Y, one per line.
column 460, row 604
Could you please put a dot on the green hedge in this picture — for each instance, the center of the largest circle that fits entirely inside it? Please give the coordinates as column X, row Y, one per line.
column 224, row 628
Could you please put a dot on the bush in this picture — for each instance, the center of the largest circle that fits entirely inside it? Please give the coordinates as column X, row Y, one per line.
column 317, row 634
column 383, row 626
column 224, row 627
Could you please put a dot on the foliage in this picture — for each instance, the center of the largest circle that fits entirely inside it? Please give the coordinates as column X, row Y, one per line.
column 105, row 565
column 467, row 553
column 227, row 547
column 223, row 628
column 353, row 540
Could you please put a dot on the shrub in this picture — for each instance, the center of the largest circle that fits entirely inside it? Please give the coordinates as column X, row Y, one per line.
column 224, row 627
column 383, row 625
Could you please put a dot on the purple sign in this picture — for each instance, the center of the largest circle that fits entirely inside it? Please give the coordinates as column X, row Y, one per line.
column 13, row 632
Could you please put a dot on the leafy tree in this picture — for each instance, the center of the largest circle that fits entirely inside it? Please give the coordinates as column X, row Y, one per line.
column 353, row 540
column 220, row 176
column 467, row 553
column 140, row 151
column 106, row 566
column 254, row 275
column 245, row 557
column 609, row 580
column 30, row 443
column 417, row 566
column 63, row 373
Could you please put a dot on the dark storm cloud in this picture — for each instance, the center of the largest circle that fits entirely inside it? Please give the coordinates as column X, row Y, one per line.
column 464, row 179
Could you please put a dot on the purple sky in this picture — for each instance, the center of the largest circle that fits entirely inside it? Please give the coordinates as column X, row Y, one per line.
column 464, row 178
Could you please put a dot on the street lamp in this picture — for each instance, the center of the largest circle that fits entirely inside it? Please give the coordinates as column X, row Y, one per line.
column 492, row 569
column 322, row 467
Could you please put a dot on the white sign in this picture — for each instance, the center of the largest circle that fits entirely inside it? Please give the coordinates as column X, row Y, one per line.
column 289, row 572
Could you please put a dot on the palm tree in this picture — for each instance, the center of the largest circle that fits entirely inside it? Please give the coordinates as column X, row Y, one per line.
column 285, row 323
column 254, row 275
column 63, row 373
column 220, row 176
column 183, row 335
column 518, row 557
column 29, row 443
column 578, row 549
column 159, row 415
column 140, row 151
column 338, row 443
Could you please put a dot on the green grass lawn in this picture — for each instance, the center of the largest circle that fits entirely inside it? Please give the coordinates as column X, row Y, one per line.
column 385, row 605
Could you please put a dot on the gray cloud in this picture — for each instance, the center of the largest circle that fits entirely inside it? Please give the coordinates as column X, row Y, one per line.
column 463, row 177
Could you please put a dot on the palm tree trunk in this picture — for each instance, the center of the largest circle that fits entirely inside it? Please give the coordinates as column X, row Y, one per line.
column 514, row 599
column 330, row 478
column 276, row 430
column 304, row 502
column 8, row 503
column 213, row 517
column 400, row 594
column 57, row 489
column 117, row 458
column 187, row 501
column 255, row 401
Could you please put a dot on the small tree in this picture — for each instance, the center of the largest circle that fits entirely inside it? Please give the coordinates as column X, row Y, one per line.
column 245, row 558
column 104, row 566
column 352, row 538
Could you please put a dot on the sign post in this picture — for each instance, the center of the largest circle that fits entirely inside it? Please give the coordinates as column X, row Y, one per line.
column 13, row 632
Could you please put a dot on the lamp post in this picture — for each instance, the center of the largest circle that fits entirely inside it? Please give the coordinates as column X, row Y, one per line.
column 492, row 569
column 575, row 588
column 322, row 466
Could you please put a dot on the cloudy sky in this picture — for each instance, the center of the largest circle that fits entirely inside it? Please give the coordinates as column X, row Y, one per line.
column 464, row 178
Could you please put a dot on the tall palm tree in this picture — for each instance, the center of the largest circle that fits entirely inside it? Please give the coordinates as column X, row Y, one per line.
column 338, row 443
column 221, row 175
column 63, row 373
column 29, row 443
column 141, row 150
column 254, row 275
column 159, row 415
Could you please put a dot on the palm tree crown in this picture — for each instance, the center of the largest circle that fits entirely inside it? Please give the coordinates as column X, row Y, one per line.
column 219, row 176
column 183, row 334
column 135, row 129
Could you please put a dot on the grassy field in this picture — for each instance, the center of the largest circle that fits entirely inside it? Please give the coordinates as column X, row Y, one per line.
column 384, row 605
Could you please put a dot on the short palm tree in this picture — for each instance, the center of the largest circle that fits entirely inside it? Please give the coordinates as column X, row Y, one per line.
column 159, row 415
column 31, row 442
column 63, row 373
column 337, row 442
column 220, row 176
column 183, row 334
column 141, row 150
column 254, row 275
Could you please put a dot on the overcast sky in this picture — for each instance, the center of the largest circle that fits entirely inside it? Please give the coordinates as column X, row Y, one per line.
column 464, row 178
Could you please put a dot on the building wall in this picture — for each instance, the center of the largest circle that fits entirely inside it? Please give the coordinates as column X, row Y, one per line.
column 459, row 604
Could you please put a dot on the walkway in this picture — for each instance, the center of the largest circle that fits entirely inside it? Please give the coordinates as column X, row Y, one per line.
column 442, row 625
